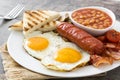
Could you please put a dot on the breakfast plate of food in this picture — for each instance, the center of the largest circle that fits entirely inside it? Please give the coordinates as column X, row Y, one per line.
column 57, row 44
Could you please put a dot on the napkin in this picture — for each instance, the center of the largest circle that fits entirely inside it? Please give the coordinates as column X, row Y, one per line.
column 13, row 71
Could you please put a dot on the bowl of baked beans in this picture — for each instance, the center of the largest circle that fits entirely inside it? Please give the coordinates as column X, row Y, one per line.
column 95, row 20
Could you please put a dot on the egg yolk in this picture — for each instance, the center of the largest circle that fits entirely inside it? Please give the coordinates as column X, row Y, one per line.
column 37, row 43
column 68, row 55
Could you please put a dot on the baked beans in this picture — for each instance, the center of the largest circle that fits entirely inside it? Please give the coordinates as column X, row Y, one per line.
column 92, row 18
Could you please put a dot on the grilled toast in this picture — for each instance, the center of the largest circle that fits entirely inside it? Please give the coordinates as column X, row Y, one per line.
column 17, row 26
column 47, row 27
column 33, row 20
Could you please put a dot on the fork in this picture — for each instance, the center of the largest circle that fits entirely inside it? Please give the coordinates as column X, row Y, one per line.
column 14, row 12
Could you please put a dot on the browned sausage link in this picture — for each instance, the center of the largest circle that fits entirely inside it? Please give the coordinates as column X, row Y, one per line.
column 81, row 38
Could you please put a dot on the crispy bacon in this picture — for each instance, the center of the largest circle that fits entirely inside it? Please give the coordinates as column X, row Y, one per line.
column 112, row 49
column 118, row 46
column 110, row 45
column 113, row 53
column 97, row 60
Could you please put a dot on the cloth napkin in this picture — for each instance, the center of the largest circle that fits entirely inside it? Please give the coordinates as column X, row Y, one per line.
column 13, row 71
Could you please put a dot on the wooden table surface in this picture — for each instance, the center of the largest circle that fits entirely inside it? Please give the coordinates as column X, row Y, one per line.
column 57, row 5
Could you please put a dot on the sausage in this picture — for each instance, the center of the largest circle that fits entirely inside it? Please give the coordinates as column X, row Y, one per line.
column 81, row 38
column 113, row 36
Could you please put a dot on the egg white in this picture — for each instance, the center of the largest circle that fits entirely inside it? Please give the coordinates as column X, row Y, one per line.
column 53, row 39
column 47, row 56
column 50, row 62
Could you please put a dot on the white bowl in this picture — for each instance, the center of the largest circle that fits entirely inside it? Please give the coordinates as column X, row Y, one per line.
column 93, row 31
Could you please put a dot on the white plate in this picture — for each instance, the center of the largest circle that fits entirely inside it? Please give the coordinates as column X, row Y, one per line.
column 17, row 52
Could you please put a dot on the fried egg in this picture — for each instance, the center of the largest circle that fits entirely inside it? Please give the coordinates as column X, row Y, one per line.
column 54, row 52
column 66, row 57
column 39, row 44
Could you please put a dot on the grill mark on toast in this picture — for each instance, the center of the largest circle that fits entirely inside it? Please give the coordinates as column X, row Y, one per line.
column 46, row 18
column 35, row 13
column 43, row 14
column 42, row 26
column 32, row 16
column 40, row 16
column 30, row 22
column 47, row 23
column 35, row 22
column 26, row 29
column 54, row 22
column 30, row 25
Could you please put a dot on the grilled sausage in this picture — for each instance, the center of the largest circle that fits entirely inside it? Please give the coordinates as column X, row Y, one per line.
column 81, row 38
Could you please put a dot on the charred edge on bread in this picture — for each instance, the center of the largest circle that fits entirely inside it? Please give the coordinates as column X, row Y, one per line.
column 13, row 26
column 21, row 22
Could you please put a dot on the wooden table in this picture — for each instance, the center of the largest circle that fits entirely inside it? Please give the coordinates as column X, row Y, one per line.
column 57, row 5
